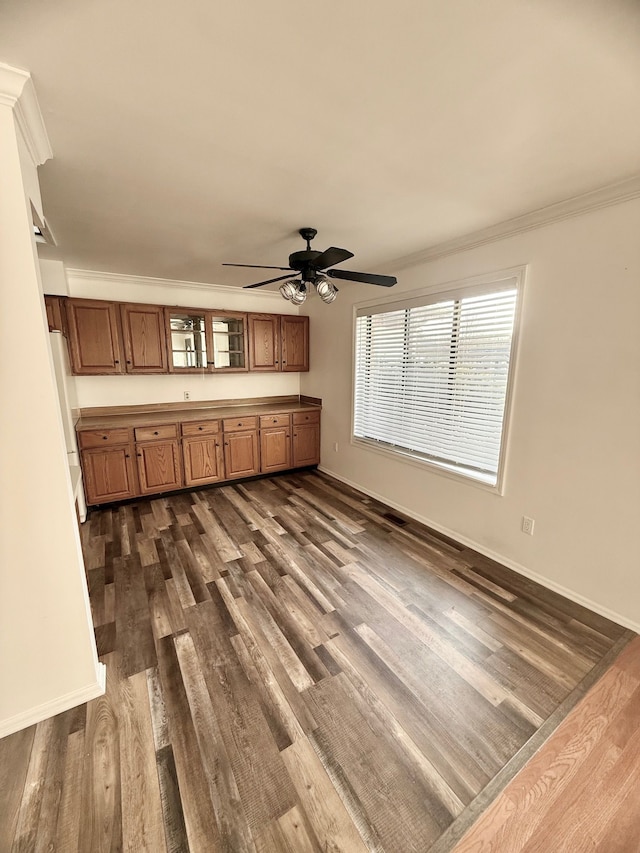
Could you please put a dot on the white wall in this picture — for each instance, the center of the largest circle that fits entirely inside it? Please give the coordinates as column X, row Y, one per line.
column 573, row 462
column 124, row 390
column 48, row 658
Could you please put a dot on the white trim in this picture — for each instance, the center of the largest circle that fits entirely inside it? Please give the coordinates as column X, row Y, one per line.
column 566, row 592
column 18, row 92
column 621, row 191
column 121, row 278
column 56, row 706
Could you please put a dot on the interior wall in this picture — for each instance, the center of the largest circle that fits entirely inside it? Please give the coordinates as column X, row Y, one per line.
column 131, row 390
column 48, row 659
column 573, row 462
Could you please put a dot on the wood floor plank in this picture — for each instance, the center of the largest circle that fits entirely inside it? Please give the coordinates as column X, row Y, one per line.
column 16, row 754
column 293, row 667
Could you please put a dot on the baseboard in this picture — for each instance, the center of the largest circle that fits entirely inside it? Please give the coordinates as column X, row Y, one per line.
column 57, row 705
column 571, row 594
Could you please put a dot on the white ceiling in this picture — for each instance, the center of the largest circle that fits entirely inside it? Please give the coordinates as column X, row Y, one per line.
column 190, row 133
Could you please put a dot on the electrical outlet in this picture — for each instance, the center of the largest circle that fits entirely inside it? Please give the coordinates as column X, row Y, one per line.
column 527, row 525
column 335, row 446
column 187, row 395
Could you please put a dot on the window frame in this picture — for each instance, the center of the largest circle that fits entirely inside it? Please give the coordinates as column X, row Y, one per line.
column 510, row 278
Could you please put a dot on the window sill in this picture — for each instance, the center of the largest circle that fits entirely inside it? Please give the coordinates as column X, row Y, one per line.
column 470, row 478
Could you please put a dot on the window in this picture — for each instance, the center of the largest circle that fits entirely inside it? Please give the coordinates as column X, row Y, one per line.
column 432, row 376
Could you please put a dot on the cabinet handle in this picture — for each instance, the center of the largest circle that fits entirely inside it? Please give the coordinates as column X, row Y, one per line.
column 128, row 361
column 226, row 444
column 200, row 428
column 139, row 455
column 276, row 361
column 105, row 437
column 126, row 456
column 116, row 361
column 240, row 424
column 156, row 432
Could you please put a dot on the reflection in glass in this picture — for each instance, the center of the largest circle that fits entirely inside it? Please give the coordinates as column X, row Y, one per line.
column 188, row 341
column 228, row 342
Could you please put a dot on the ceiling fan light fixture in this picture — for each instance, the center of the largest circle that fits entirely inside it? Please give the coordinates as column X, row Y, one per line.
column 326, row 290
column 300, row 295
column 294, row 290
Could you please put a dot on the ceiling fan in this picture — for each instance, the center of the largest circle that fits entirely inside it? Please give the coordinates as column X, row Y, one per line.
column 313, row 269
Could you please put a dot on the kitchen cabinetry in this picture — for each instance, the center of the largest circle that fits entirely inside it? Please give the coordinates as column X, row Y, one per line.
column 163, row 451
column 213, row 341
column 264, row 342
column 56, row 319
column 94, row 337
column 241, row 448
column 275, row 443
column 202, row 453
column 278, row 342
column 294, row 335
column 144, row 338
column 306, row 439
column 158, row 457
column 115, row 338
column 107, row 465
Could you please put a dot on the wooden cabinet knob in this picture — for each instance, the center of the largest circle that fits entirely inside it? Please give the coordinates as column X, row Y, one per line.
column 116, row 361
column 156, row 432
column 200, row 428
column 105, row 437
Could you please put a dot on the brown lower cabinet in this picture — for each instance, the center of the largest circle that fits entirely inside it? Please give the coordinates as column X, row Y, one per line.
column 306, row 439
column 159, row 468
column 108, row 474
column 275, row 443
column 194, row 453
column 241, row 454
column 203, row 460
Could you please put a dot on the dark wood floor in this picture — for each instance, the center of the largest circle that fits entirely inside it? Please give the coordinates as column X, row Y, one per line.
column 292, row 668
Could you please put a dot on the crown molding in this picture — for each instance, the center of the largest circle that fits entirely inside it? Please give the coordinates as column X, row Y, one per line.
column 18, row 92
column 122, row 278
column 621, row 191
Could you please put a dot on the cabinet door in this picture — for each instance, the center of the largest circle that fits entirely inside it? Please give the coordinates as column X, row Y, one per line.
column 275, row 449
column 241, row 454
column 159, row 466
column 144, row 337
column 264, row 342
column 108, row 474
column 94, row 337
column 228, row 342
column 55, row 314
column 203, row 460
column 306, row 444
column 188, row 340
column 295, row 343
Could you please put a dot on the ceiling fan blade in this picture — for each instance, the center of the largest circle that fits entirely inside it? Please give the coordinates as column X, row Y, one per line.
column 330, row 257
column 268, row 281
column 256, row 266
column 366, row 277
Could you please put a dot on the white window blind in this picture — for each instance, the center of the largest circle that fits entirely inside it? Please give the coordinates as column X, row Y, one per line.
column 431, row 379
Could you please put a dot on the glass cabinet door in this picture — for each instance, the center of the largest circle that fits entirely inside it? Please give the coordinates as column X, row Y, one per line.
column 187, row 340
column 229, row 341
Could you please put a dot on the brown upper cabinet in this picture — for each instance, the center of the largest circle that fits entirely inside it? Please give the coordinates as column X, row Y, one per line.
column 144, row 338
column 294, row 334
column 56, row 314
column 94, row 337
column 110, row 338
column 278, row 342
column 215, row 341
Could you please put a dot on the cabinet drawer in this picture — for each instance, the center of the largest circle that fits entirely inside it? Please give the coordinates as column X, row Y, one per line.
column 103, row 437
column 155, row 433
column 201, row 428
column 237, row 424
column 306, row 418
column 273, row 421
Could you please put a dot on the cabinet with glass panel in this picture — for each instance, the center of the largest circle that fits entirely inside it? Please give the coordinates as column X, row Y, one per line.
column 210, row 341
